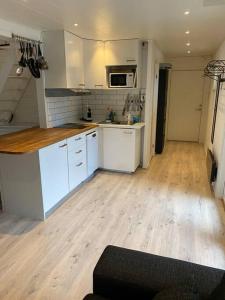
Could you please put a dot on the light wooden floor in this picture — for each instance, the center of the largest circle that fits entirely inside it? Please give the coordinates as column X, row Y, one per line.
column 166, row 210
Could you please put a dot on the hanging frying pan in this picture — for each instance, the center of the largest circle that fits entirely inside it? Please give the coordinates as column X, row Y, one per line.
column 32, row 63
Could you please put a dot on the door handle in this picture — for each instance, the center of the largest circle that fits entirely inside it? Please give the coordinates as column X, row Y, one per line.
column 80, row 164
column 62, row 146
column 78, row 151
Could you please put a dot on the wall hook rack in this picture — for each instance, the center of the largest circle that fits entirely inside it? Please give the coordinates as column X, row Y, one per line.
column 215, row 70
column 24, row 39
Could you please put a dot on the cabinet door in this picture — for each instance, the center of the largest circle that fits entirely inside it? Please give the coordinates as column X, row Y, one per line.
column 94, row 64
column 54, row 52
column 119, row 149
column 122, row 52
column 77, row 173
column 54, row 173
column 74, row 61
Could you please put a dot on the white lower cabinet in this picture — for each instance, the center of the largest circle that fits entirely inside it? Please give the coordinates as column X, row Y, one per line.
column 54, row 173
column 120, row 149
column 77, row 160
column 34, row 184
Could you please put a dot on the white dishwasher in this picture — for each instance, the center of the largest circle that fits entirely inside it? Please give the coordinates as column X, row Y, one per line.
column 92, row 152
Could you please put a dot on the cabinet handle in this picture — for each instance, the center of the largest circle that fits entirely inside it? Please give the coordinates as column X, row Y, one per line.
column 98, row 85
column 80, row 164
column 127, row 132
column 81, row 84
column 78, row 151
column 62, row 146
column 131, row 60
column 78, row 139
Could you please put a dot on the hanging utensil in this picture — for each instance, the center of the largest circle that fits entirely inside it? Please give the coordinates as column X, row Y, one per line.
column 22, row 61
column 43, row 65
column 32, row 63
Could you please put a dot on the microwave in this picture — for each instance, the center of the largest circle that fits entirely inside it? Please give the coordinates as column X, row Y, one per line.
column 121, row 80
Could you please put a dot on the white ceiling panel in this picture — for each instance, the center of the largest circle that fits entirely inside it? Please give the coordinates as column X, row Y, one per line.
column 161, row 20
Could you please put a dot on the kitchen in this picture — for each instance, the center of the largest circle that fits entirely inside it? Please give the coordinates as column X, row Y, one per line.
column 91, row 110
column 91, row 158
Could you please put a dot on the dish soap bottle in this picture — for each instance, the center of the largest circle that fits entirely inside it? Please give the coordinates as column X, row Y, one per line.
column 129, row 119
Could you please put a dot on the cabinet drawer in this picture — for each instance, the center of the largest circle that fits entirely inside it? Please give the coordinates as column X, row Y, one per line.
column 77, row 154
column 76, row 142
column 77, row 174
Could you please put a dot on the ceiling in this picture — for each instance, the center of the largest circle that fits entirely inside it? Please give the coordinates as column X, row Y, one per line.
column 161, row 20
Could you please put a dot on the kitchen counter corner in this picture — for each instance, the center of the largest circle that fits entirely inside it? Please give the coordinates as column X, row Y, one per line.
column 33, row 139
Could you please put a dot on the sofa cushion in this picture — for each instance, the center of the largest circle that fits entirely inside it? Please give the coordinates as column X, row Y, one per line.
column 219, row 292
column 128, row 274
column 178, row 293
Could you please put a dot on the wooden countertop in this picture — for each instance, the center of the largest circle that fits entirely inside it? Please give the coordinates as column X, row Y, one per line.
column 33, row 139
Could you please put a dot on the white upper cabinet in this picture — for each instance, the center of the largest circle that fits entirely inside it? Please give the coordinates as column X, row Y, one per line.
column 94, row 64
column 74, row 61
column 78, row 63
column 64, row 53
column 122, row 52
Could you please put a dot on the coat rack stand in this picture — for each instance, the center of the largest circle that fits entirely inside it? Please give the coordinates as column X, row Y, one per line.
column 215, row 70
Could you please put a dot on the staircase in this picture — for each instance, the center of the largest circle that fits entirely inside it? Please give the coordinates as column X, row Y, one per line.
column 12, row 87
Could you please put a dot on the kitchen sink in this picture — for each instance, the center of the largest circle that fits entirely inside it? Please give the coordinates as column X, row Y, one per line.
column 72, row 126
column 115, row 123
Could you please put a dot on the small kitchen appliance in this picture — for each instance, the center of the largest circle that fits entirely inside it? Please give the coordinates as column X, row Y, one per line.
column 88, row 114
column 121, row 80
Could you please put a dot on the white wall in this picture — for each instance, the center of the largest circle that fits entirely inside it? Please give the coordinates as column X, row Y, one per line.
column 7, row 28
column 27, row 109
column 155, row 57
column 218, row 146
column 193, row 63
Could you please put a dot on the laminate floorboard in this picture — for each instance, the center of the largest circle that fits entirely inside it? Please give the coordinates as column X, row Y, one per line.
column 167, row 209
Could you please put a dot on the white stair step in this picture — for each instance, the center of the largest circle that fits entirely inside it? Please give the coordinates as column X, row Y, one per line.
column 18, row 77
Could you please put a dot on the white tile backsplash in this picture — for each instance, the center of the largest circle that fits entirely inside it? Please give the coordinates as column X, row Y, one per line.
column 70, row 109
column 100, row 100
column 63, row 110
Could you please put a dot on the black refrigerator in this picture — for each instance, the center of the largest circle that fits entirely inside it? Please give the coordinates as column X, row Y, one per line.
column 161, row 110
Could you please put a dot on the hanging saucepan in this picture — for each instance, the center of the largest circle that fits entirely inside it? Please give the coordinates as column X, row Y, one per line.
column 32, row 63
column 43, row 65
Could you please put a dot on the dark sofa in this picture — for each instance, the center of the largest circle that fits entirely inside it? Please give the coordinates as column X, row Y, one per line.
column 126, row 274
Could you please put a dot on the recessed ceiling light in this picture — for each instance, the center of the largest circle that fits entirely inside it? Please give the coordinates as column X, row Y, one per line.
column 187, row 32
column 75, row 24
column 187, row 12
column 188, row 44
column 189, row 52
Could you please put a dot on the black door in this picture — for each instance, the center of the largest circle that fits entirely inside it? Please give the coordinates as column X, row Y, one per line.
column 161, row 111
